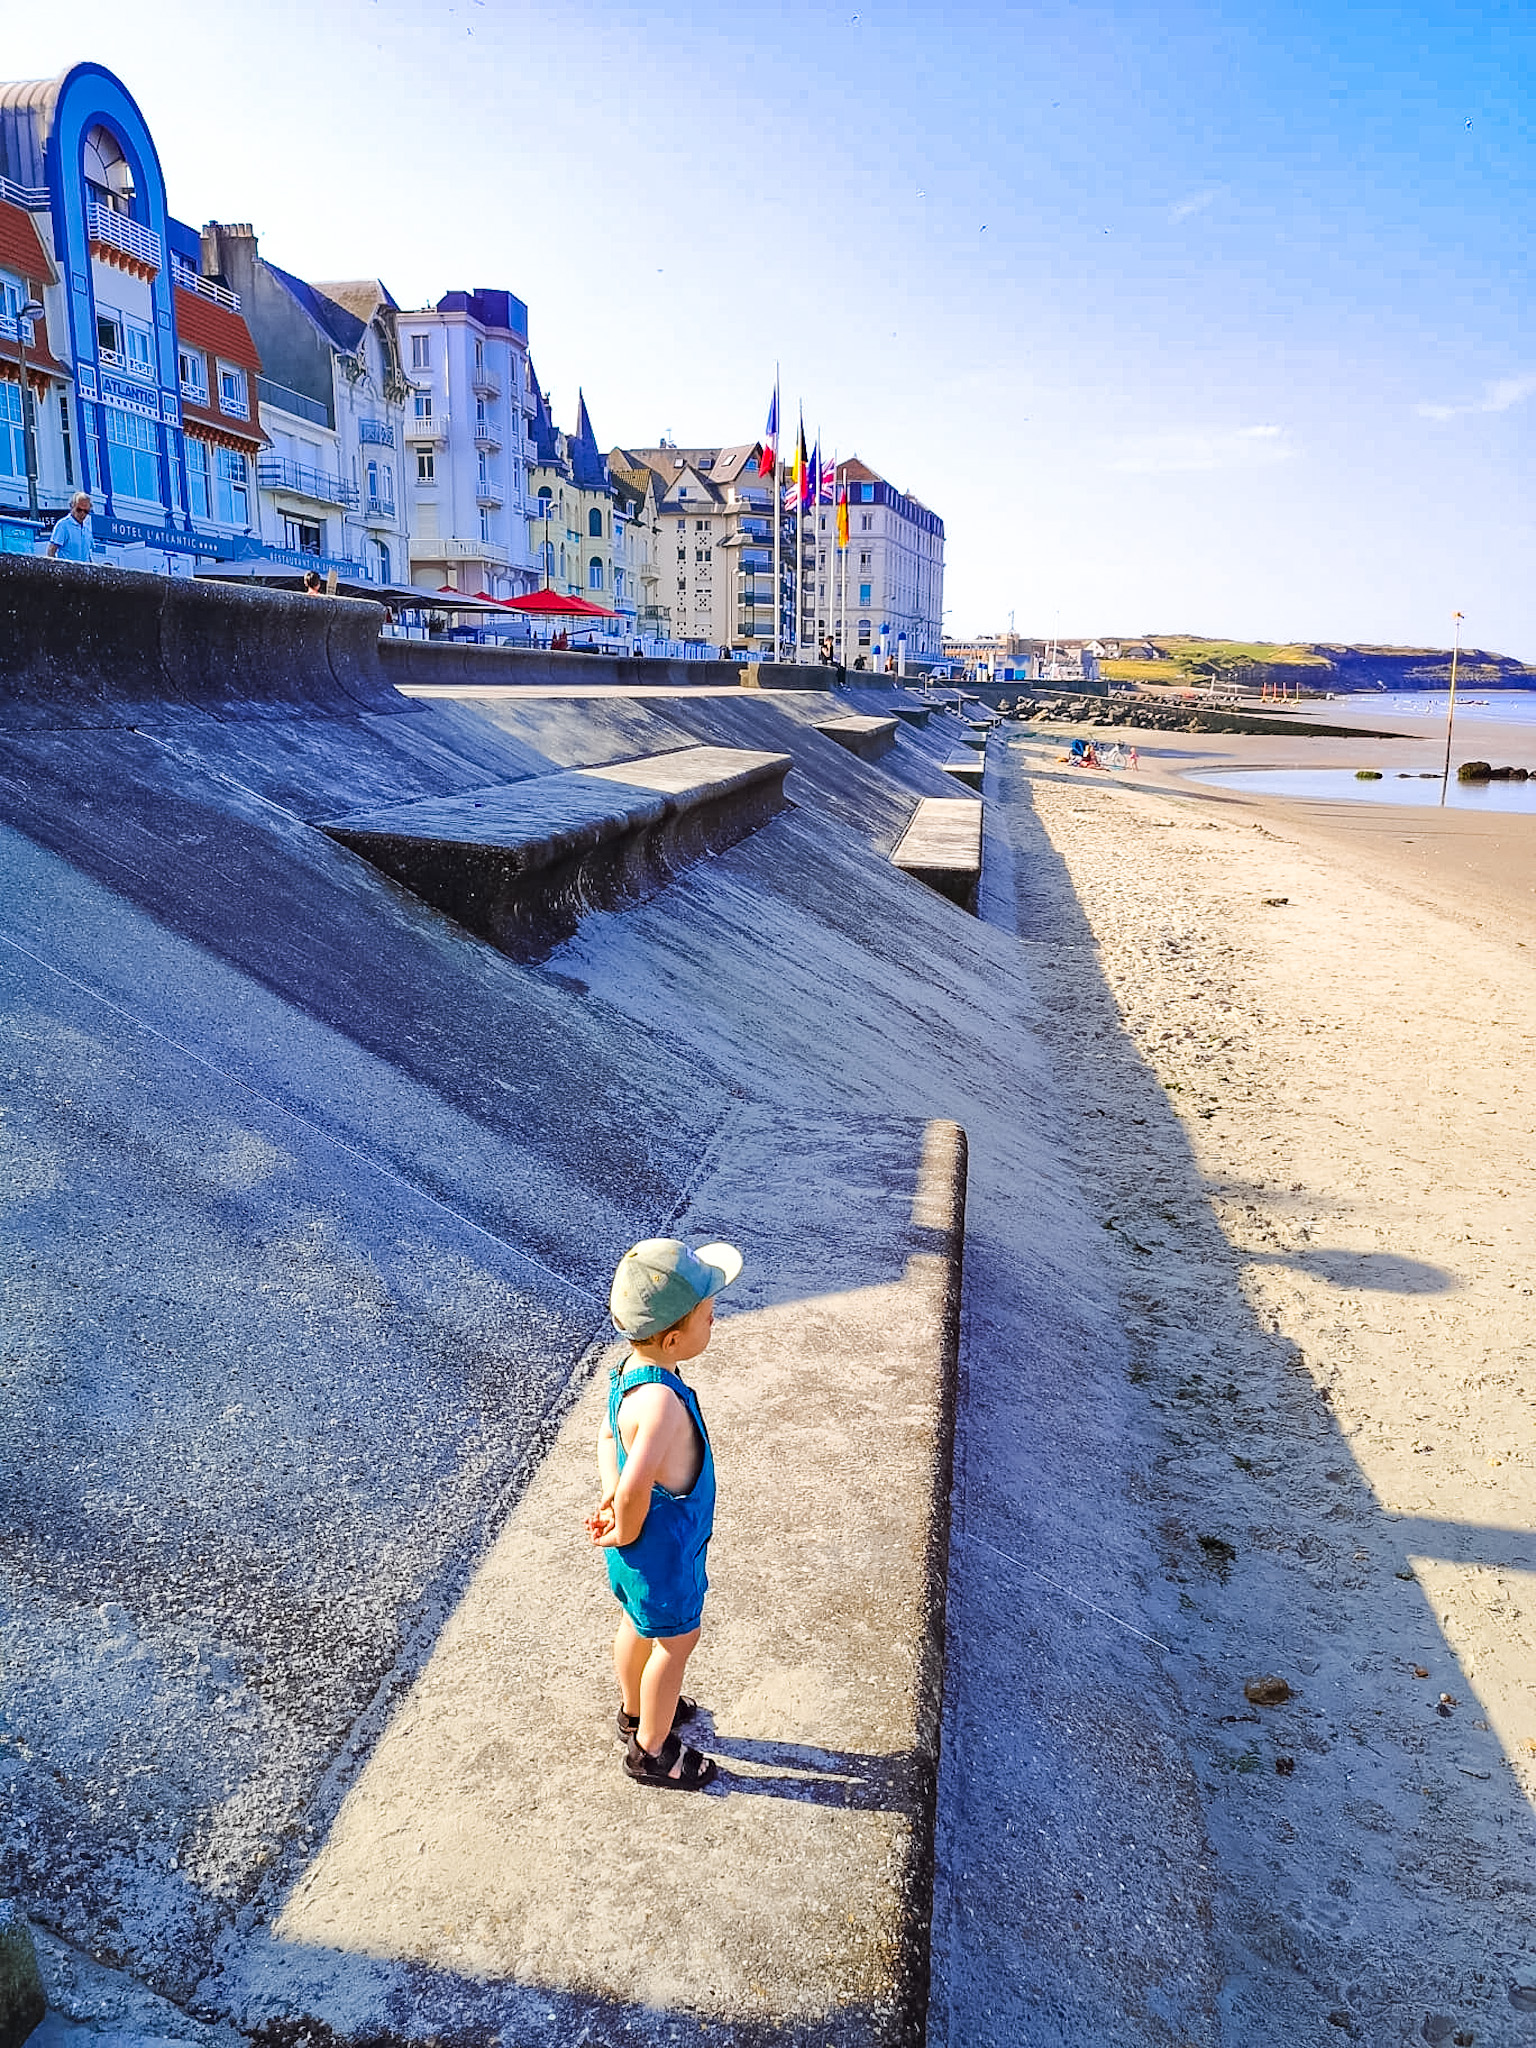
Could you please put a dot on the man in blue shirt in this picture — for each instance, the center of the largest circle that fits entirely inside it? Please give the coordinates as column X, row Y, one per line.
column 72, row 538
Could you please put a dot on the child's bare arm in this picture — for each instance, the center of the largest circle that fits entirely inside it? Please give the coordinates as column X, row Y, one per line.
column 600, row 1521
column 654, row 1410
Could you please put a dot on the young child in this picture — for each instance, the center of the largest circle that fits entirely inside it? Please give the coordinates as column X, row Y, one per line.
column 658, row 1506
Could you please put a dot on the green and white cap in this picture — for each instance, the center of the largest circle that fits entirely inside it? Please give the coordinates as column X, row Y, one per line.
column 661, row 1280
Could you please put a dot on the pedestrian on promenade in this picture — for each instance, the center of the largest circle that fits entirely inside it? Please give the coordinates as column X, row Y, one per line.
column 72, row 538
column 657, row 1510
column 313, row 587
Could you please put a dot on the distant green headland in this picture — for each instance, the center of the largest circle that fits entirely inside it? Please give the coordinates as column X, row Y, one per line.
column 1320, row 665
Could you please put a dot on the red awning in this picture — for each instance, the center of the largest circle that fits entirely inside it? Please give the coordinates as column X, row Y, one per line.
column 550, row 604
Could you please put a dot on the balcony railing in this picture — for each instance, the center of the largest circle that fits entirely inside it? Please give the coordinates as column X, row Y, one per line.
column 33, row 198
column 125, row 365
column 9, row 326
column 431, row 426
column 378, row 433
column 449, row 548
column 487, row 436
column 488, row 491
column 486, row 384
column 121, row 231
column 296, row 402
column 275, row 473
column 192, row 280
column 379, row 507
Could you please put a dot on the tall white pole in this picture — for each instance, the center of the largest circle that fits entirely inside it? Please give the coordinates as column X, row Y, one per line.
column 1450, row 711
column 778, row 522
column 799, row 538
column 842, row 634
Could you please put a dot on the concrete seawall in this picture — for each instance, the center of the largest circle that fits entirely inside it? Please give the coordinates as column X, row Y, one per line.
column 317, row 1195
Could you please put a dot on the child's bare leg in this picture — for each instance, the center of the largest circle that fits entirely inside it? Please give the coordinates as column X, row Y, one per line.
column 629, row 1654
column 661, row 1685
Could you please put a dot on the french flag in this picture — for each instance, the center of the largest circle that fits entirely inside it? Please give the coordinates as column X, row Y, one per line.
column 767, row 459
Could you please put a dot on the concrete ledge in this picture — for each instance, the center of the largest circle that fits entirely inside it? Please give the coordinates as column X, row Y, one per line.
column 942, row 847
column 523, row 863
column 869, row 738
column 490, row 1870
column 975, row 736
column 967, row 769
column 22, row 2003
column 86, row 646
column 912, row 714
column 789, row 675
column 441, row 663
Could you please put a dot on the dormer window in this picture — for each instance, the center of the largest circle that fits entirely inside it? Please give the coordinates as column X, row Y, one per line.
column 232, row 398
column 192, row 368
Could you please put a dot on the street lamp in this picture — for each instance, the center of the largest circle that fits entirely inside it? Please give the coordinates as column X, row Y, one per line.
column 30, row 311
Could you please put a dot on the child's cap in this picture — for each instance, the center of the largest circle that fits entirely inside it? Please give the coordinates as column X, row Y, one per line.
column 660, row 1281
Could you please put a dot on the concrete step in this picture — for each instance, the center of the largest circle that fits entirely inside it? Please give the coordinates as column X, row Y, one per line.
column 966, row 769
column 869, row 738
column 522, row 863
column 492, row 1870
column 942, row 847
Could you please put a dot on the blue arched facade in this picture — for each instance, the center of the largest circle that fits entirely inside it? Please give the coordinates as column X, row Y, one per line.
column 89, row 97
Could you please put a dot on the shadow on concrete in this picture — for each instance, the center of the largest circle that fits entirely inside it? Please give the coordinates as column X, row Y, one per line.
column 798, row 1770
column 1339, row 1865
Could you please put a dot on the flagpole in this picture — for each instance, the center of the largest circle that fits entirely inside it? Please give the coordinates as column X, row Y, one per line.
column 799, row 533
column 778, row 524
column 843, row 551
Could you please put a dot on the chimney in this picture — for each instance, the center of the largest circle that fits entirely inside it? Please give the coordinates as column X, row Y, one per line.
column 229, row 252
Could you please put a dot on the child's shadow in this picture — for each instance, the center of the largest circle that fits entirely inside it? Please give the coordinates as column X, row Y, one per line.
column 796, row 1770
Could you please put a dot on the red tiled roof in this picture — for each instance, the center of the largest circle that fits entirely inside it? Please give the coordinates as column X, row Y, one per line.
column 215, row 328
column 21, row 247
column 225, row 337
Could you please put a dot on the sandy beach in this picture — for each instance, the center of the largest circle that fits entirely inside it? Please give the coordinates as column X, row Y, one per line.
column 1300, row 1041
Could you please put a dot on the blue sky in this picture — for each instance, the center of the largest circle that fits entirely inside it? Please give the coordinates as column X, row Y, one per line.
column 1185, row 318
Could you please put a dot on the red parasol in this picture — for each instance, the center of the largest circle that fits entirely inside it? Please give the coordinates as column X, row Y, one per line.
column 550, row 604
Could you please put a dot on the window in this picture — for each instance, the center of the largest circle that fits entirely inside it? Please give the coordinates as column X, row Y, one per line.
column 595, row 523
column 546, row 496
column 485, row 524
column 13, row 440
column 192, row 368
column 232, row 397
column 138, row 349
column 306, row 535
column 68, row 440
column 421, row 353
column 682, row 526
column 701, row 526
column 864, row 593
column 479, row 357
column 864, row 559
column 109, row 335
column 386, row 566
column 595, row 573
column 863, row 632
column 423, row 398
column 866, row 522
column 199, row 488
column 866, row 494
column 682, row 554
column 232, row 498
column 133, row 454
column 426, row 466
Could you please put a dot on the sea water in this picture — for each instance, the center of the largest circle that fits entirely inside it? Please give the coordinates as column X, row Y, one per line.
column 1340, row 785
column 1507, row 707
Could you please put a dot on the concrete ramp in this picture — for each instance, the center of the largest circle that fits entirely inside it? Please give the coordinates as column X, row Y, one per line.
column 491, row 1869
column 522, row 865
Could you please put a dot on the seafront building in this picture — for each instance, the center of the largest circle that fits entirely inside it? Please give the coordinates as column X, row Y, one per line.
column 714, row 548
column 469, row 443
column 886, row 596
column 230, row 417
column 332, row 406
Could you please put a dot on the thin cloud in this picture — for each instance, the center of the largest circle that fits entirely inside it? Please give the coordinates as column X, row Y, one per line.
column 1498, row 396
column 1195, row 202
column 1199, row 449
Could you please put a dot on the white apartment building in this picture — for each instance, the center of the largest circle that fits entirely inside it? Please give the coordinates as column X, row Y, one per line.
column 887, row 589
column 714, row 542
column 468, row 444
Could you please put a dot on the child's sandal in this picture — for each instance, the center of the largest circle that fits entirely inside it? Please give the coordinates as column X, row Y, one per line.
column 629, row 1724
column 694, row 1773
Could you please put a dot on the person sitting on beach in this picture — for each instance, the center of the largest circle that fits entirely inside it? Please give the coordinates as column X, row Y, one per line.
column 657, row 1510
